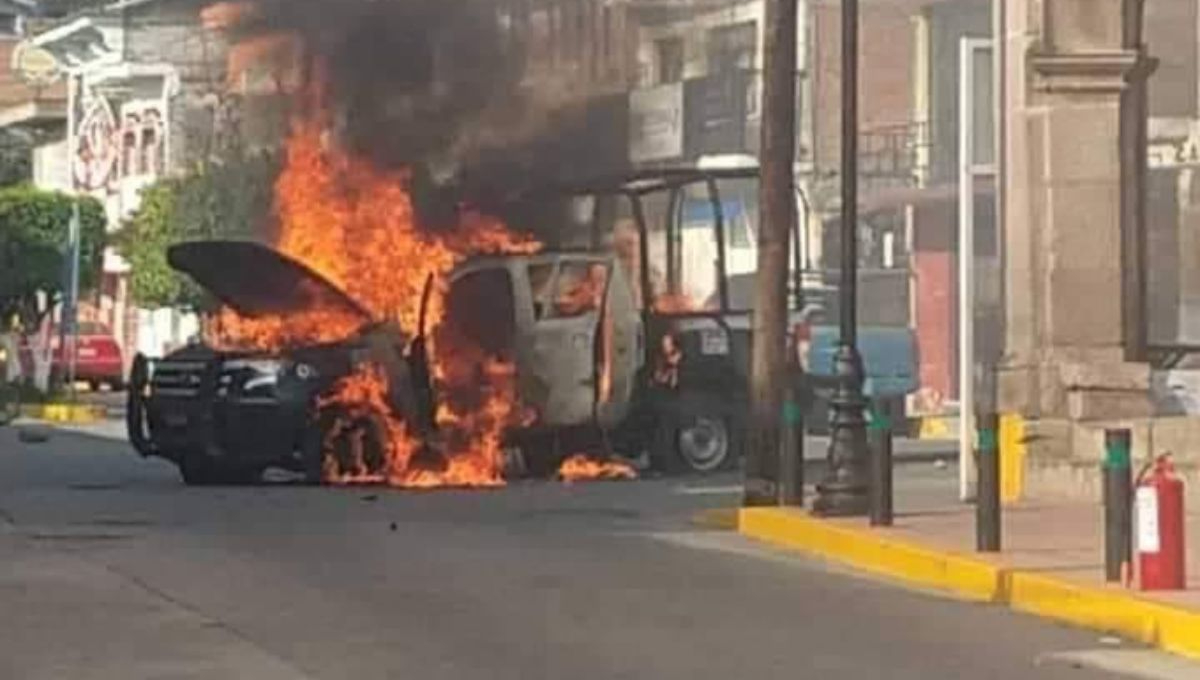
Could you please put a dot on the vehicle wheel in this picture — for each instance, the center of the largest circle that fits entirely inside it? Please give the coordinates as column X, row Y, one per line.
column 700, row 437
column 356, row 445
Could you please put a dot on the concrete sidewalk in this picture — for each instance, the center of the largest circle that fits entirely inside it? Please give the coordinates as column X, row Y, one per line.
column 1052, row 563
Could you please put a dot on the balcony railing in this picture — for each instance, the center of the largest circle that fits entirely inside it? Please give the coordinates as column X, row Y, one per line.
column 895, row 152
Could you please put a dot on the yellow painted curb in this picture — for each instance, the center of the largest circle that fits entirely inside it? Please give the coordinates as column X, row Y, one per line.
column 870, row 551
column 1109, row 610
column 77, row 414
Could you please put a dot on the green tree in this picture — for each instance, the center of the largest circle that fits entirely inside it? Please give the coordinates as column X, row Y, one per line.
column 16, row 153
column 34, row 228
column 230, row 199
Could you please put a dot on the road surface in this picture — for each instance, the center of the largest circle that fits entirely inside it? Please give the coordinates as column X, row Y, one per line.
column 113, row 570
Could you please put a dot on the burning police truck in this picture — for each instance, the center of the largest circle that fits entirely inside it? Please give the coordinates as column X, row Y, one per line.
column 370, row 403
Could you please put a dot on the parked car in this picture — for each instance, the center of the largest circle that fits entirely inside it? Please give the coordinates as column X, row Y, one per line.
column 98, row 360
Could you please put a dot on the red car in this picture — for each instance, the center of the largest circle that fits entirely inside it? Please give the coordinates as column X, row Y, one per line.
column 98, row 361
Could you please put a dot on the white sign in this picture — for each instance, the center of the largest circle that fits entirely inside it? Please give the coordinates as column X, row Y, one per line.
column 1147, row 520
column 656, row 123
column 1184, row 153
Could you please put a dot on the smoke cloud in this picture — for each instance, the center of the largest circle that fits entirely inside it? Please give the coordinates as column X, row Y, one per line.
column 409, row 81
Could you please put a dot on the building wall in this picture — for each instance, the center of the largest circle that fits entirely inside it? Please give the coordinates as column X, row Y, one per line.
column 950, row 22
column 886, row 58
column 1171, row 31
column 169, row 33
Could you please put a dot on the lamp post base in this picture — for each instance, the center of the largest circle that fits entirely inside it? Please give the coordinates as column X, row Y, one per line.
column 843, row 492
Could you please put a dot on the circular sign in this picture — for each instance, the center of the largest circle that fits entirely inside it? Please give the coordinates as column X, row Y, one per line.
column 35, row 65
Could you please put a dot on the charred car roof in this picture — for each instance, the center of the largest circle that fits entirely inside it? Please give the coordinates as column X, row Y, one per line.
column 255, row 280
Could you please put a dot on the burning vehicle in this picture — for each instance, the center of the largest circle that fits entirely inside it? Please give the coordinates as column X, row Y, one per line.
column 565, row 321
column 225, row 416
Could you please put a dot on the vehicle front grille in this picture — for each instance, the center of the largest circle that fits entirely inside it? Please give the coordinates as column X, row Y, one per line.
column 178, row 378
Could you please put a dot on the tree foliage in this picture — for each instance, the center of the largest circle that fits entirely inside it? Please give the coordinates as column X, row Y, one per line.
column 230, row 199
column 16, row 158
column 34, row 228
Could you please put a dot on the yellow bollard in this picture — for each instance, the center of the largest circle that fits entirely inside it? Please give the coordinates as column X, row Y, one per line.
column 1012, row 458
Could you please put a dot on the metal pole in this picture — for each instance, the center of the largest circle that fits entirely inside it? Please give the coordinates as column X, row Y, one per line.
column 966, row 271
column 791, row 457
column 843, row 492
column 778, row 214
column 882, row 495
column 1118, row 506
column 73, row 307
column 987, row 502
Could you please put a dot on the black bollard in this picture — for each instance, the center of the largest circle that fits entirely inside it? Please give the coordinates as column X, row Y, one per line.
column 791, row 457
column 987, row 496
column 1118, row 506
column 882, row 497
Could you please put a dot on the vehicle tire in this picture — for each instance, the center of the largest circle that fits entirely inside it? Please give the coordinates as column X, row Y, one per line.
column 357, row 443
column 698, row 435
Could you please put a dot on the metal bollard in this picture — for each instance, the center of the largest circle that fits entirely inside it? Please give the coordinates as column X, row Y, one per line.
column 987, row 495
column 882, row 495
column 1118, row 506
column 791, row 457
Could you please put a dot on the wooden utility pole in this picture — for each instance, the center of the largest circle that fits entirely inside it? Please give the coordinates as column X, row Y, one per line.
column 777, row 215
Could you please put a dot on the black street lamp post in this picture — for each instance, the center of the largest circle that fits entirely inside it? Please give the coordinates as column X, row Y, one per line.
column 843, row 492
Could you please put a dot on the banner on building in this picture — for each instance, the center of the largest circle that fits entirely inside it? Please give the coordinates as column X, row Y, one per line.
column 656, row 123
column 716, row 108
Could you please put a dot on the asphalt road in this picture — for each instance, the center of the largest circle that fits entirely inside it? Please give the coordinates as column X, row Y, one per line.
column 111, row 569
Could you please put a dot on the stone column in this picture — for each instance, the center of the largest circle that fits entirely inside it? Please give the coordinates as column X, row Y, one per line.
column 1068, row 65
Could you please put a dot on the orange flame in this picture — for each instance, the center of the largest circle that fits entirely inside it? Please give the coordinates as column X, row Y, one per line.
column 580, row 467
column 355, row 225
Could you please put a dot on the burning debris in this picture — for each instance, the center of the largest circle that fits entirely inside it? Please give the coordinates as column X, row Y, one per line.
column 581, row 467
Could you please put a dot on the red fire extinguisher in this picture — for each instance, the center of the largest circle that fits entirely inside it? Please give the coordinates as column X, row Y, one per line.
column 1160, row 530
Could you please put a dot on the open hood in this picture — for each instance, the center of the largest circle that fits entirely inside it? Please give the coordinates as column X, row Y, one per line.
column 255, row 280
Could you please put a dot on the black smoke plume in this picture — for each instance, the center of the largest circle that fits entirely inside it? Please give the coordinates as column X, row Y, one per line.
column 406, row 80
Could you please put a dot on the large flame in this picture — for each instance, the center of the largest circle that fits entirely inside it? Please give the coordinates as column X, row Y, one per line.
column 355, row 225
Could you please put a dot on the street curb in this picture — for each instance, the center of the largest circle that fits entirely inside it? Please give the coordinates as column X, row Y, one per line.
column 74, row 414
column 1109, row 610
column 971, row 579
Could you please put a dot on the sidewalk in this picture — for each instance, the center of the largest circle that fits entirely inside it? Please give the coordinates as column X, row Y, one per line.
column 1052, row 563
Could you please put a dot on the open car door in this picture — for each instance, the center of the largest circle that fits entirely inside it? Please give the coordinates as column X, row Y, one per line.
column 620, row 350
